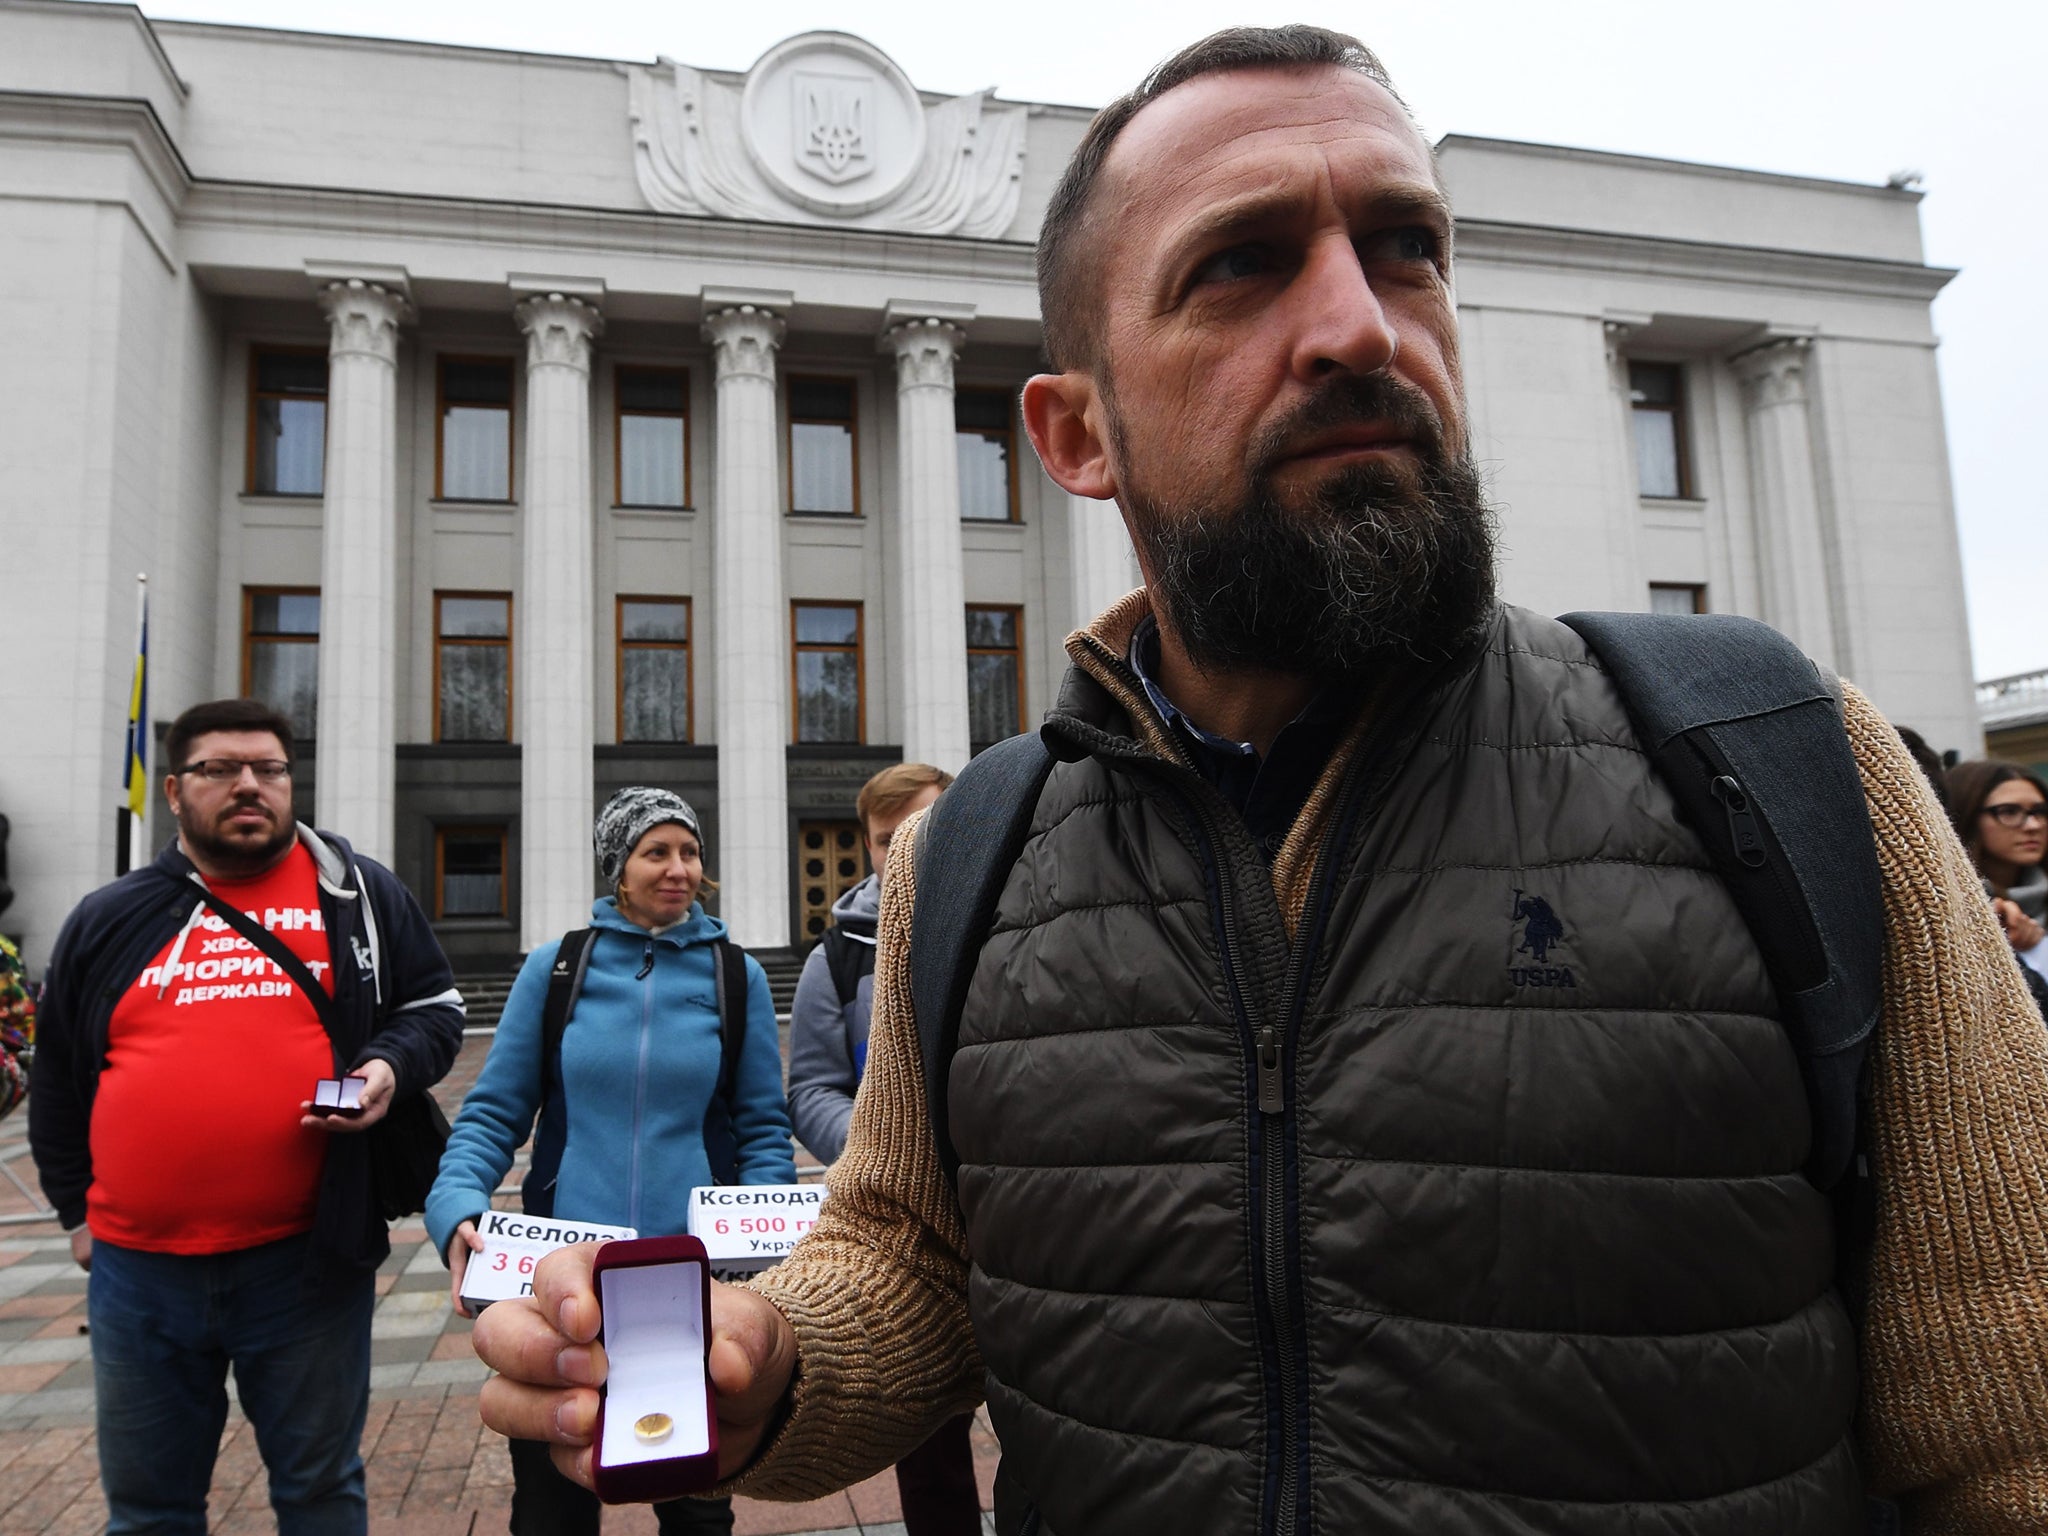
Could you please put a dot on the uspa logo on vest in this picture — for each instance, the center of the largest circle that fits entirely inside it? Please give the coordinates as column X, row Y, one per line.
column 1539, row 935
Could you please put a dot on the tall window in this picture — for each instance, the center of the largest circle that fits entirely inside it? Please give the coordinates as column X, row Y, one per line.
column 827, row 692
column 654, row 669
column 472, row 666
column 982, row 436
column 287, row 422
column 652, row 446
column 475, row 436
column 1670, row 597
column 822, row 460
column 995, row 675
column 281, row 652
column 1657, row 401
column 469, row 872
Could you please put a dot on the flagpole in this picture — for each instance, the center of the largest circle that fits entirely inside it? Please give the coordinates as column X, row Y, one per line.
column 135, row 764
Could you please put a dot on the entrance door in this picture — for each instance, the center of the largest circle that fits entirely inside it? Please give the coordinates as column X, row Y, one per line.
column 830, row 861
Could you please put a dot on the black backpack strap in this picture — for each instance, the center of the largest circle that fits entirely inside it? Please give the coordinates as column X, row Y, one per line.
column 565, row 985
column 1747, row 733
column 969, row 840
column 847, row 959
column 731, row 981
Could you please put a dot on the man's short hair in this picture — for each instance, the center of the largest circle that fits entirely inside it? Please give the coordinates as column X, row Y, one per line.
column 1067, row 300
column 224, row 715
column 889, row 791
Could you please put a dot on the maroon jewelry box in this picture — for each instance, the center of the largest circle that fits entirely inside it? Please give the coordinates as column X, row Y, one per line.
column 339, row 1096
column 655, row 1296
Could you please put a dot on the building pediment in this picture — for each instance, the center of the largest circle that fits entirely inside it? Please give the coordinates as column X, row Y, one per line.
column 825, row 129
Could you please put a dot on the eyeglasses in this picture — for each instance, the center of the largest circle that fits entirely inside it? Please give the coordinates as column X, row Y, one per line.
column 2018, row 815
column 226, row 770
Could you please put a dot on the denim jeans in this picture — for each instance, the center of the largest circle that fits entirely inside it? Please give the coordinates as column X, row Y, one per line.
column 165, row 1329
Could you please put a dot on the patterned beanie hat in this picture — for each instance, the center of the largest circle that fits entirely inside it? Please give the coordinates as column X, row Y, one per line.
column 626, row 818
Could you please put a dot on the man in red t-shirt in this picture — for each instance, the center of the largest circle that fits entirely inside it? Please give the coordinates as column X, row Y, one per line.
column 224, row 1223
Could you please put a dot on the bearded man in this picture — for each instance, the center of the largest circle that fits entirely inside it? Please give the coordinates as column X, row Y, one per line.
column 190, row 1010
column 1288, row 1199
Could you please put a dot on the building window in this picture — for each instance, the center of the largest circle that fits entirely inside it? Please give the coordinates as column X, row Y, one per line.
column 995, row 675
column 472, row 666
column 651, row 448
column 1670, row 597
column 1657, row 402
column 475, row 437
column 983, row 437
column 281, row 652
column 469, row 872
column 827, row 692
column 822, row 458
column 654, row 669
column 287, row 422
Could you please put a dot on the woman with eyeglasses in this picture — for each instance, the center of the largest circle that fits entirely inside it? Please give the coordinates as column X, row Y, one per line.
column 2001, row 814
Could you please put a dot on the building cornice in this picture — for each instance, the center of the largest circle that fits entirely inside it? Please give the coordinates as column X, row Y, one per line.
column 1509, row 244
column 99, row 8
column 127, row 122
column 1453, row 141
column 469, row 221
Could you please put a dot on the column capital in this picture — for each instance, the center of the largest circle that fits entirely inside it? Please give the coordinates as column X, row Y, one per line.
column 925, row 350
column 744, row 338
column 1775, row 372
column 559, row 329
column 363, row 318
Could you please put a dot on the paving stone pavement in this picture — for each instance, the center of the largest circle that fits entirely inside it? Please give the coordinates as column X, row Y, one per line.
column 432, row 1468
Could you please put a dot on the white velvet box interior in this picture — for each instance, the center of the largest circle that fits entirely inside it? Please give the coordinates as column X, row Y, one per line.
column 654, row 1345
column 338, row 1093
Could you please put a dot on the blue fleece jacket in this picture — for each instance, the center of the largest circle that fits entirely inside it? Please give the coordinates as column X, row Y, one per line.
column 640, row 1061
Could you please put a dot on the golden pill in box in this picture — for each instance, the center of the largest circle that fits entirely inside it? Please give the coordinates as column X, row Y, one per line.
column 653, row 1428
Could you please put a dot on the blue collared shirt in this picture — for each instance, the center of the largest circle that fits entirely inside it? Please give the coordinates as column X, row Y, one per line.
column 1267, row 792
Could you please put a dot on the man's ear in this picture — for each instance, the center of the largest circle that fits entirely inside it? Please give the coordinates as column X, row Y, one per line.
column 1063, row 414
column 171, row 792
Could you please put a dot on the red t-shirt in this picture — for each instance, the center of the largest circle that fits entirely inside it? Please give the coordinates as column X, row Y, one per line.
column 196, row 1143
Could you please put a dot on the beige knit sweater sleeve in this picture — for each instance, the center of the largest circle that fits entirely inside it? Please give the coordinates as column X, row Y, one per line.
column 877, row 1293
column 1955, row 1344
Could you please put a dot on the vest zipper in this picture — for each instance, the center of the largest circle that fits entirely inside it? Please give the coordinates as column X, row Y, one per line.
column 1266, row 1049
column 1287, row 1347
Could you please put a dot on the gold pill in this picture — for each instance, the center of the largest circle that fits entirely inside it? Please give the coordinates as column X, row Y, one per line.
column 653, row 1428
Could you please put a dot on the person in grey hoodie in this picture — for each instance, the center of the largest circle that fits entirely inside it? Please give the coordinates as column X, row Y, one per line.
column 828, row 1050
column 828, row 1022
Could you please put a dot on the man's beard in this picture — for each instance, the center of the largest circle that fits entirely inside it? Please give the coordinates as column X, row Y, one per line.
column 1380, row 568
column 234, row 858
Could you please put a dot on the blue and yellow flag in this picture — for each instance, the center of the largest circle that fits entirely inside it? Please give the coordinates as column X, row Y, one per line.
column 136, row 769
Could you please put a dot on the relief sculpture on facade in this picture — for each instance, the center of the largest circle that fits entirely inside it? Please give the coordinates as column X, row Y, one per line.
column 825, row 129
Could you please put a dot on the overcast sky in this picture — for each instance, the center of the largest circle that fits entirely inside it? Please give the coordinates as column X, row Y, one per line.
column 1813, row 87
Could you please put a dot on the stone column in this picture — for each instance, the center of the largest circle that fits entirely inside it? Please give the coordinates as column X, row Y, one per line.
column 1103, row 563
column 356, row 730
column 553, row 620
column 931, row 619
column 751, row 856
column 1629, row 583
column 1790, row 537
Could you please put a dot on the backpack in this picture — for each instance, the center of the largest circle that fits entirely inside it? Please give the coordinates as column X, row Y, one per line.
column 565, row 985
column 1743, row 728
column 848, row 959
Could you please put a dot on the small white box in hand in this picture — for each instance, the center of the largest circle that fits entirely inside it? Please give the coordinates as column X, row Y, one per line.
column 514, row 1244
column 747, row 1227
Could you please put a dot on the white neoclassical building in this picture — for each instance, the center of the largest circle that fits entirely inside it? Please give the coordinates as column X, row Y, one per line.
column 527, row 426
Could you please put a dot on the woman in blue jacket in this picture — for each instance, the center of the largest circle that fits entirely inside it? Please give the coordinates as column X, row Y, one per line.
column 639, row 1075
